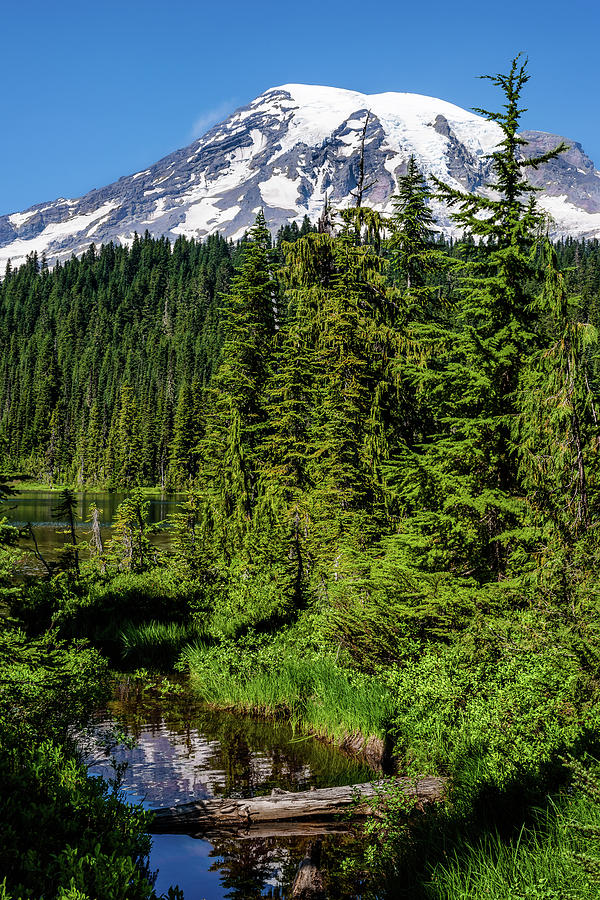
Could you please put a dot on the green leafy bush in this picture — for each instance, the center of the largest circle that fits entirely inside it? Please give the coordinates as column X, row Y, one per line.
column 62, row 834
column 506, row 710
column 62, row 831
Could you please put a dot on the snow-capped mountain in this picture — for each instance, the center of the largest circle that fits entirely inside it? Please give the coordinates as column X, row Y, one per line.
column 283, row 153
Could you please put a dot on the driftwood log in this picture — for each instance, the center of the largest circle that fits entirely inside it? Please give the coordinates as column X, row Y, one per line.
column 305, row 828
column 287, row 807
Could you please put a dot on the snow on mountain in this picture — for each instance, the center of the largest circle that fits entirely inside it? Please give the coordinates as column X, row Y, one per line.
column 284, row 152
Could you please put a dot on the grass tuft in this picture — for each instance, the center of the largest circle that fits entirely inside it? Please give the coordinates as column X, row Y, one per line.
column 542, row 862
column 310, row 691
column 155, row 644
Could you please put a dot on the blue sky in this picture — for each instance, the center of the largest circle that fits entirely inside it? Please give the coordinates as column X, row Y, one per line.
column 93, row 91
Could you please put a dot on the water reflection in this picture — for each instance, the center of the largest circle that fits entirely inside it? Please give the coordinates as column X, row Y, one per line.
column 186, row 751
column 181, row 859
column 37, row 508
column 237, row 870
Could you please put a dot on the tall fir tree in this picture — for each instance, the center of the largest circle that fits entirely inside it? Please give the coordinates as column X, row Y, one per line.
column 468, row 470
column 236, row 412
column 556, row 431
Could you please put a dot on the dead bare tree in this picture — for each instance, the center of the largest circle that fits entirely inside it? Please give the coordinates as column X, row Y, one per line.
column 361, row 187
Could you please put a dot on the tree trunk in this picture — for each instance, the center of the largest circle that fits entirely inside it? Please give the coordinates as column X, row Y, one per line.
column 308, row 883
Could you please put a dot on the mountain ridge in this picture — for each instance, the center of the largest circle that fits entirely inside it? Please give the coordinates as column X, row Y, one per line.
column 283, row 152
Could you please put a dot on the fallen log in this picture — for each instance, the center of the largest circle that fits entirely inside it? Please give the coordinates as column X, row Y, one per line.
column 280, row 806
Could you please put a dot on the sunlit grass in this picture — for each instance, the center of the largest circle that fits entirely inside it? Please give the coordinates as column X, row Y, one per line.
column 155, row 643
column 558, row 858
column 310, row 691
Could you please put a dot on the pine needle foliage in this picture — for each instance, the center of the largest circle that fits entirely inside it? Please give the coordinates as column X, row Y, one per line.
column 556, row 430
column 414, row 253
column 467, row 466
column 236, row 416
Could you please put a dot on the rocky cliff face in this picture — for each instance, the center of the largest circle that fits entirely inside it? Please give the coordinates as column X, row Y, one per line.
column 283, row 153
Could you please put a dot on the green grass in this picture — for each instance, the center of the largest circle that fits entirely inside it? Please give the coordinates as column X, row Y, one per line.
column 552, row 860
column 309, row 690
column 25, row 485
column 499, row 847
column 31, row 485
column 155, row 644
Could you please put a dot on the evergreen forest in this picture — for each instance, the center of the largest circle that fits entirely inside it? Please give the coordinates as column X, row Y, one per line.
column 387, row 446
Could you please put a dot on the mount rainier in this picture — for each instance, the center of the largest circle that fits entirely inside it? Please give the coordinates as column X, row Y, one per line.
column 283, row 153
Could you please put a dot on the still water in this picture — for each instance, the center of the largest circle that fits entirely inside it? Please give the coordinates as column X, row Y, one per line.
column 185, row 751
column 38, row 508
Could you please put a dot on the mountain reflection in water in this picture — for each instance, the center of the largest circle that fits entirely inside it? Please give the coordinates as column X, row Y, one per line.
column 186, row 751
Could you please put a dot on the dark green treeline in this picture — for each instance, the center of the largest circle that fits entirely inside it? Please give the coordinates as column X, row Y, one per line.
column 107, row 360
column 95, row 354
column 104, row 360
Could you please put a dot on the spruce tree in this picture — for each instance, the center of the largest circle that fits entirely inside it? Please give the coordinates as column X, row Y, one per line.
column 293, row 400
column 93, row 459
column 469, row 470
column 556, row 429
column 328, row 396
column 236, row 412
column 182, row 464
column 124, row 442
column 130, row 544
column 414, row 255
column 67, row 508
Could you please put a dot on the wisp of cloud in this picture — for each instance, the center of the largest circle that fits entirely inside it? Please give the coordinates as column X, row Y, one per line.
column 211, row 117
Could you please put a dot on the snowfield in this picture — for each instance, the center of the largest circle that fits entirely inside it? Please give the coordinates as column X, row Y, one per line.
column 285, row 152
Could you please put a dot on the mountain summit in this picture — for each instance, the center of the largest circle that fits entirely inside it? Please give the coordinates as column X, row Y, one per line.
column 287, row 150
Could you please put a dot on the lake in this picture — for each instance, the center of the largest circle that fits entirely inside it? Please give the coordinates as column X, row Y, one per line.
column 38, row 509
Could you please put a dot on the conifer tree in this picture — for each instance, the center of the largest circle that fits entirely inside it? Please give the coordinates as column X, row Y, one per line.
column 47, row 387
column 495, row 297
column 328, row 388
column 130, row 543
column 185, row 439
column 125, row 446
column 413, row 251
column 67, row 507
column 293, row 400
column 92, row 465
column 236, row 404
column 187, row 535
column 96, row 543
column 250, row 315
column 468, row 468
column 164, row 419
column 556, row 428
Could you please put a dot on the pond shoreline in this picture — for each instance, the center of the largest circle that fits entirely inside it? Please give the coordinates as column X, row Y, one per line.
column 24, row 484
column 188, row 751
column 373, row 751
